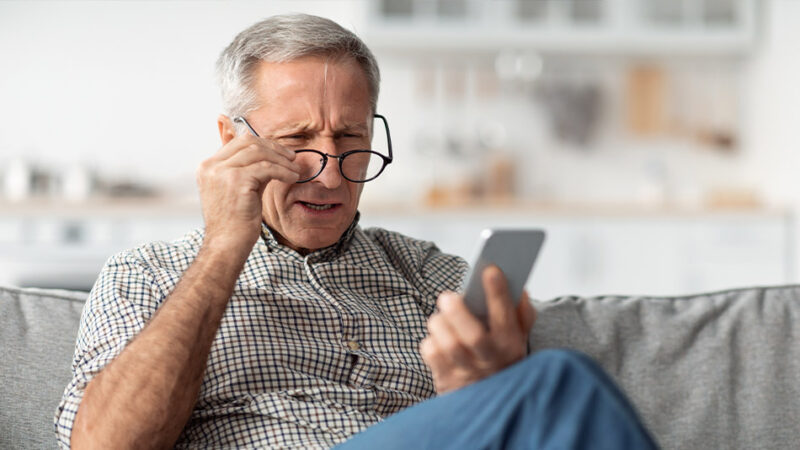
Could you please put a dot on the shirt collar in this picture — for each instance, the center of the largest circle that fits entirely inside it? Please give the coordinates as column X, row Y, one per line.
column 324, row 254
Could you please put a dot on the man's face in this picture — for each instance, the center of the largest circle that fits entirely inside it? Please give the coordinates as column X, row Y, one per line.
column 312, row 103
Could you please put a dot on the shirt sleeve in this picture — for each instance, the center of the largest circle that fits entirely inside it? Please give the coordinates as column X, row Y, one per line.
column 439, row 272
column 420, row 262
column 123, row 299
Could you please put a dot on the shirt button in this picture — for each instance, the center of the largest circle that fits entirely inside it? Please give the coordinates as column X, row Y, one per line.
column 353, row 345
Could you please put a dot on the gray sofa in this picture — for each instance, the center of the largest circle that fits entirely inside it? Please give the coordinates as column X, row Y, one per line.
column 716, row 370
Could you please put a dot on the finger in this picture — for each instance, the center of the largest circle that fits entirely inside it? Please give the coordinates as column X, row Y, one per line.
column 255, row 153
column 469, row 330
column 251, row 178
column 498, row 299
column 264, row 172
column 447, row 341
column 432, row 356
column 270, row 147
column 233, row 146
column 275, row 146
column 526, row 313
column 244, row 140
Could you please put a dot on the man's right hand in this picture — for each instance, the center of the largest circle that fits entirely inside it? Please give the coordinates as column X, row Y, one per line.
column 231, row 184
column 143, row 398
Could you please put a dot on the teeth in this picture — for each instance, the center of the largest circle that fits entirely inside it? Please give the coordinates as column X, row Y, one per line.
column 318, row 207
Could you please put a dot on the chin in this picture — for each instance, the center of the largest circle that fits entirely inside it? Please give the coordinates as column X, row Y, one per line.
column 315, row 230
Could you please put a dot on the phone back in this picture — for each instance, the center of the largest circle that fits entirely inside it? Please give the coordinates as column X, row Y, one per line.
column 514, row 251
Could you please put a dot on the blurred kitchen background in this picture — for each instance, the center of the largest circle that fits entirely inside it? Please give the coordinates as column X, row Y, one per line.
column 655, row 140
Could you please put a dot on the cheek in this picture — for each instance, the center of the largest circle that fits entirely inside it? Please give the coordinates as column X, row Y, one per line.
column 355, row 191
column 275, row 194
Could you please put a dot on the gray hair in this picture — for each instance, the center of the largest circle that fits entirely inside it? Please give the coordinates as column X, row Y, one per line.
column 285, row 38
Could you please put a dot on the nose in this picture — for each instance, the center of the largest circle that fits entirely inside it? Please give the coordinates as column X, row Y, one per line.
column 330, row 177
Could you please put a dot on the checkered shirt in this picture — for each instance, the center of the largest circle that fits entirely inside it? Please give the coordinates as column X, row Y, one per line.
column 311, row 349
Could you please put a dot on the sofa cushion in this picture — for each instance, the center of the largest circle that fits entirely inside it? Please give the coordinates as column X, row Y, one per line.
column 37, row 339
column 717, row 370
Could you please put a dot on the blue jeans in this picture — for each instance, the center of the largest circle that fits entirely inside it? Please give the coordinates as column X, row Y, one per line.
column 554, row 399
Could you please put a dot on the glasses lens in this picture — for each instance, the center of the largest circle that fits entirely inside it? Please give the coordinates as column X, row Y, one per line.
column 356, row 165
column 310, row 163
column 362, row 165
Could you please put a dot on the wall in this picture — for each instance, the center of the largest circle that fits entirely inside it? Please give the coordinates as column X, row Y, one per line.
column 773, row 136
column 127, row 87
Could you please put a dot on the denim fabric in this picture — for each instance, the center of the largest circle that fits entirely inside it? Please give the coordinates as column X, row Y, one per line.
column 554, row 399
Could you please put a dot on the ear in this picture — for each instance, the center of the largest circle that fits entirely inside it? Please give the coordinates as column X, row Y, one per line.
column 227, row 131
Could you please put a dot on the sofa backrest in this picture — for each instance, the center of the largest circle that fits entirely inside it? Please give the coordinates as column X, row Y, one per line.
column 705, row 371
column 37, row 338
column 716, row 370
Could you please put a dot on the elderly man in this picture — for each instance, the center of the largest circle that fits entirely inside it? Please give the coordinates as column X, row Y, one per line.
column 284, row 324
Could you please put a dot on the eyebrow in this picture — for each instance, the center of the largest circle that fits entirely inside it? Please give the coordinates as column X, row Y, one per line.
column 291, row 127
column 304, row 126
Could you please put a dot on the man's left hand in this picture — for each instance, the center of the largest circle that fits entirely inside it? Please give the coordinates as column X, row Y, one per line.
column 460, row 350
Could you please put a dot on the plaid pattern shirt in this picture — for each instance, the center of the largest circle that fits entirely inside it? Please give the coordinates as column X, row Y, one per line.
column 311, row 349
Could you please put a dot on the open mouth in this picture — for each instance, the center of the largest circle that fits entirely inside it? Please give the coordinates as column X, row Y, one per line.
column 318, row 206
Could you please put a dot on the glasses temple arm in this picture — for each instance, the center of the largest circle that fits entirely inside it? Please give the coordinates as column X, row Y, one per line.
column 388, row 135
column 241, row 119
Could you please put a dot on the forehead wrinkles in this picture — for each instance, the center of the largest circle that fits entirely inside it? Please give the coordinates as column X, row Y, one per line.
column 329, row 82
column 328, row 102
column 325, row 80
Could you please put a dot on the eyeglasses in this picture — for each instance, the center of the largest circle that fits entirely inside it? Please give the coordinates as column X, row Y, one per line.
column 358, row 166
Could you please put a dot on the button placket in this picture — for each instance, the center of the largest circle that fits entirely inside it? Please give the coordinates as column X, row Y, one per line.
column 311, row 269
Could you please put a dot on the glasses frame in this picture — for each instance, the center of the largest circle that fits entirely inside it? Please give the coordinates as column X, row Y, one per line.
column 386, row 159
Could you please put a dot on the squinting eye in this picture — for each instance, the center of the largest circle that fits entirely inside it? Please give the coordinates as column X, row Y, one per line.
column 294, row 138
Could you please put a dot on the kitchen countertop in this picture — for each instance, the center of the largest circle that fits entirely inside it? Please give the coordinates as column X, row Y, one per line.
column 190, row 206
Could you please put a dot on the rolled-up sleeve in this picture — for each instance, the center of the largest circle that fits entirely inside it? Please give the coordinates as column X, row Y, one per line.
column 123, row 299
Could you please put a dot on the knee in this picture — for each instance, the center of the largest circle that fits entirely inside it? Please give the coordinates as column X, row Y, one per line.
column 562, row 366
column 560, row 359
column 550, row 370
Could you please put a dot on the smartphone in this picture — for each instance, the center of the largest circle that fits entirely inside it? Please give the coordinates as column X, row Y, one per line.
column 512, row 250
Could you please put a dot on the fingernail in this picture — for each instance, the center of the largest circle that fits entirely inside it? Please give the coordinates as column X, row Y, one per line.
column 496, row 274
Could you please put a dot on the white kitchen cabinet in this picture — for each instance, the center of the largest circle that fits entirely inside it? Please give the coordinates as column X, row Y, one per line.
column 53, row 245
column 563, row 26
column 586, row 252
column 630, row 253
